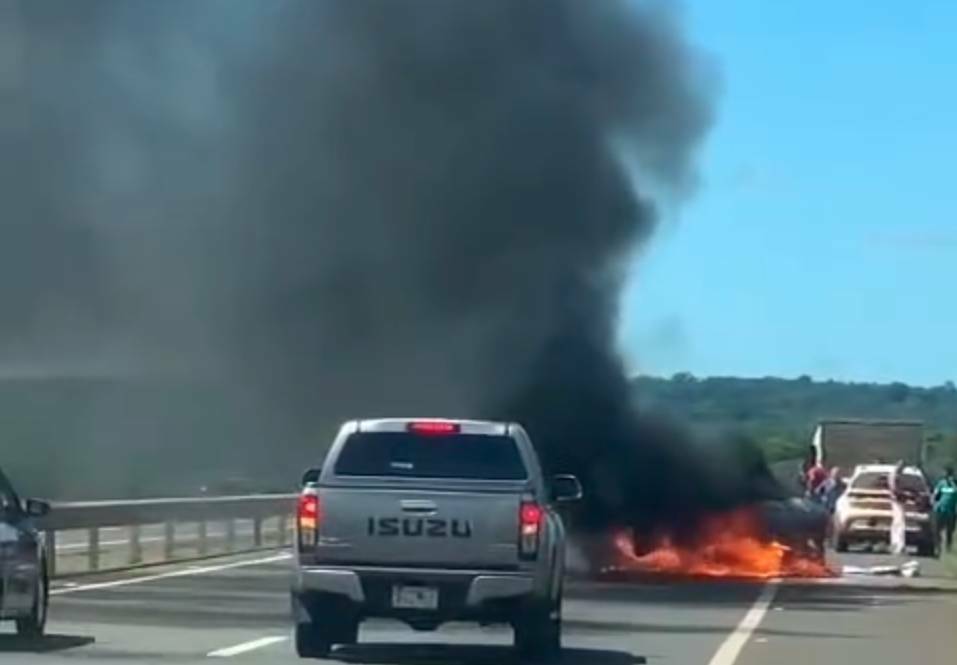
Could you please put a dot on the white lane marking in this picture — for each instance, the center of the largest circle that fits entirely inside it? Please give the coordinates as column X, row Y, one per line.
column 192, row 570
column 246, row 647
column 731, row 648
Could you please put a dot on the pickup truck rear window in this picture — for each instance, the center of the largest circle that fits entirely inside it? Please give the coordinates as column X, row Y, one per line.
column 404, row 454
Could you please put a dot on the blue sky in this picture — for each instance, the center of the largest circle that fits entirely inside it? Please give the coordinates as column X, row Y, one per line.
column 823, row 240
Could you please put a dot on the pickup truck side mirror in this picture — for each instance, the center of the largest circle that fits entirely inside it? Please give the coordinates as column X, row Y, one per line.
column 35, row 508
column 566, row 488
column 311, row 476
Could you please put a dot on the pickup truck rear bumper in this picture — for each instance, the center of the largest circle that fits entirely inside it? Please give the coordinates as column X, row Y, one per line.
column 462, row 595
column 364, row 586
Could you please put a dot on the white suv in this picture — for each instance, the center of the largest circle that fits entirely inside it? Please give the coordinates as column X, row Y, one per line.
column 865, row 511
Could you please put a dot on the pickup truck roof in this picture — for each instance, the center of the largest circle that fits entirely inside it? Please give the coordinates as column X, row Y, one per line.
column 488, row 427
column 363, row 454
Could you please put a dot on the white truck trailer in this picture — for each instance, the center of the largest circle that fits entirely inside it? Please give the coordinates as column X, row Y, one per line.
column 847, row 443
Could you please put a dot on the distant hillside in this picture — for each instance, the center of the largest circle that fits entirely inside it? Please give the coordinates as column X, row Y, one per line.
column 80, row 438
column 780, row 414
column 99, row 438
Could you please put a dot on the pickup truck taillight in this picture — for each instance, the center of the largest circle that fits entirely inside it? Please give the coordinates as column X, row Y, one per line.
column 307, row 519
column 530, row 516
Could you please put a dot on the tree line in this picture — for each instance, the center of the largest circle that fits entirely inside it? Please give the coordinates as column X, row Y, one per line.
column 780, row 414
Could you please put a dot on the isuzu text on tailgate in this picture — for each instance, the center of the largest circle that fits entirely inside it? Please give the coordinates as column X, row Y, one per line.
column 429, row 521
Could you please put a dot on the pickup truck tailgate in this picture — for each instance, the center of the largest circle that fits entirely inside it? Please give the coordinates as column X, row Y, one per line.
column 464, row 529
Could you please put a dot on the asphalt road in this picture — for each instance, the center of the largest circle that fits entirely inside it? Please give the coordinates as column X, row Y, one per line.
column 237, row 609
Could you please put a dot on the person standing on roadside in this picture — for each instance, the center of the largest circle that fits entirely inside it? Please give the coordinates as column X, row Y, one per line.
column 945, row 506
column 814, row 480
column 898, row 536
column 832, row 489
column 813, row 475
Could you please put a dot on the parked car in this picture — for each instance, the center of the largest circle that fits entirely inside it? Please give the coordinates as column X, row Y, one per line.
column 24, row 582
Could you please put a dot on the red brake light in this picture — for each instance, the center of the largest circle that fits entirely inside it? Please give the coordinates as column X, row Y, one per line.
column 433, row 427
column 308, row 506
column 531, row 514
column 307, row 519
column 530, row 517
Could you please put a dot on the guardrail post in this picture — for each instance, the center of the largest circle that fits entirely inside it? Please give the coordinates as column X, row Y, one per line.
column 203, row 545
column 257, row 532
column 136, row 547
column 169, row 540
column 93, row 542
column 230, row 535
column 282, row 530
column 51, row 552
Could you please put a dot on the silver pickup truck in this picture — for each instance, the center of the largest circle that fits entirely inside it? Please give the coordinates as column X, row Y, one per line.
column 429, row 521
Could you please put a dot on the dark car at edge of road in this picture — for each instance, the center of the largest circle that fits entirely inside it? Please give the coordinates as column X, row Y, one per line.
column 24, row 580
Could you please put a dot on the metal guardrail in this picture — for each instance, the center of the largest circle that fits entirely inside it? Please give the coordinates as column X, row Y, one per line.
column 92, row 516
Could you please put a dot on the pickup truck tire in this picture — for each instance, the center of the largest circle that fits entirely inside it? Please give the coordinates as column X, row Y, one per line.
column 538, row 632
column 348, row 633
column 316, row 640
column 310, row 642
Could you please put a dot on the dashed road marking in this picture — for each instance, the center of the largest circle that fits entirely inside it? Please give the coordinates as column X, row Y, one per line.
column 731, row 648
column 246, row 647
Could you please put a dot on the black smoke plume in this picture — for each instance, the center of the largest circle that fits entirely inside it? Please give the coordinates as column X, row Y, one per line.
column 325, row 209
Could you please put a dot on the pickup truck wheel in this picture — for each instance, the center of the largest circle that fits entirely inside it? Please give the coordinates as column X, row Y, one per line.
column 538, row 632
column 33, row 625
column 348, row 632
column 310, row 642
column 840, row 543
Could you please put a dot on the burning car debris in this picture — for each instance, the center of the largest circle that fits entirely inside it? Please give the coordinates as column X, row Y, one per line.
column 770, row 539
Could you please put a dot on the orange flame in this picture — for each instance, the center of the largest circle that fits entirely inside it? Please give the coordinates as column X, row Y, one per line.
column 726, row 545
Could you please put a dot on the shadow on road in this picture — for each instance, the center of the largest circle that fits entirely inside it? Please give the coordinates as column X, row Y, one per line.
column 852, row 597
column 457, row 654
column 686, row 629
column 845, row 596
column 668, row 592
column 45, row 644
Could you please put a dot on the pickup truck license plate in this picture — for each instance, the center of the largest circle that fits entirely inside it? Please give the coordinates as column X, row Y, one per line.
column 415, row 597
